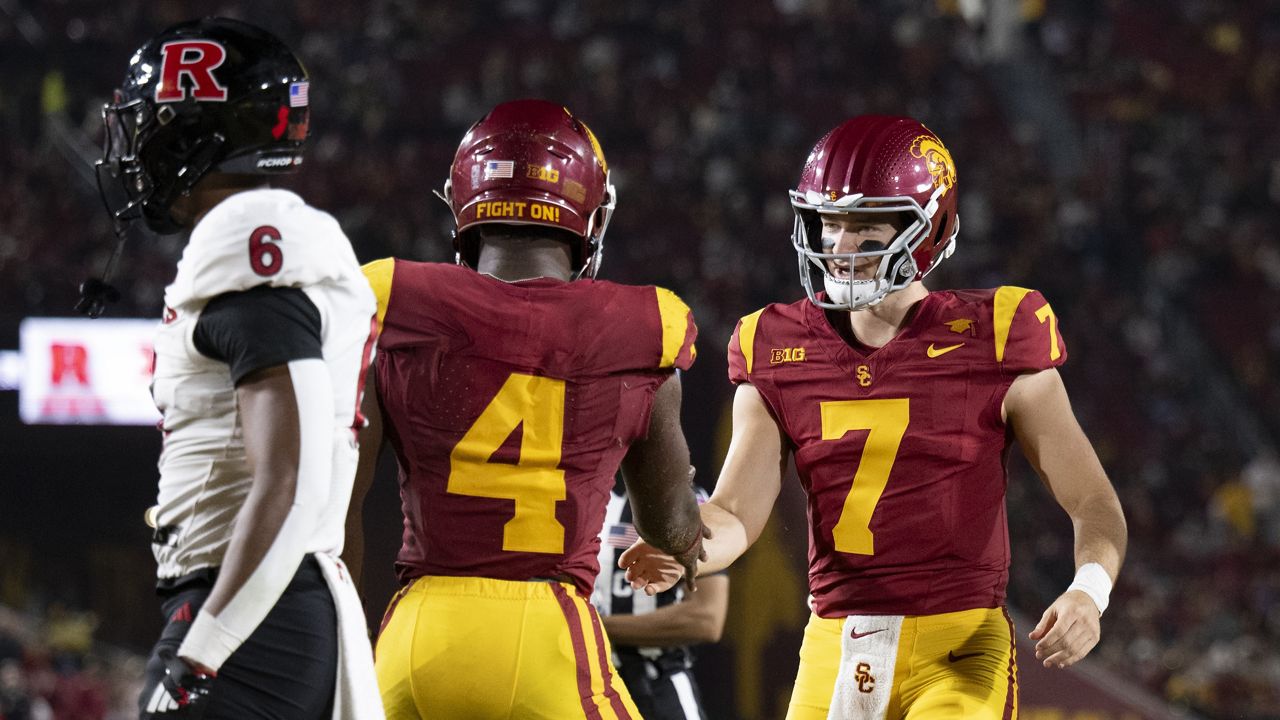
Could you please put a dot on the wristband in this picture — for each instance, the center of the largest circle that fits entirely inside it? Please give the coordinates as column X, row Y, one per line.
column 696, row 539
column 209, row 642
column 1093, row 581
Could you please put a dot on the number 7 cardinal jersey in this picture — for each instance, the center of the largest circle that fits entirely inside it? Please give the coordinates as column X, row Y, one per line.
column 510, row 406
column 251, row 239
column 901, row 449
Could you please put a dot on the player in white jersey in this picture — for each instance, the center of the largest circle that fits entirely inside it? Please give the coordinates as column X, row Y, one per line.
column 267, row 333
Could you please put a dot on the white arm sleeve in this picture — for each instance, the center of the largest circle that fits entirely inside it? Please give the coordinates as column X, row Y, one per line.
column 211, row 640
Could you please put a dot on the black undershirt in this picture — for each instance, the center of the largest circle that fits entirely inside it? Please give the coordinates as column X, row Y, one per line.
column 259, row 328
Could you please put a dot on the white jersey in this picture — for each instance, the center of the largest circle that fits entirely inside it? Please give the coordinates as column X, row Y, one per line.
column 253, row 238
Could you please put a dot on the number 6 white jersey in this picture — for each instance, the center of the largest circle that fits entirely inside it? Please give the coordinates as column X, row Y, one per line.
column 255, row 238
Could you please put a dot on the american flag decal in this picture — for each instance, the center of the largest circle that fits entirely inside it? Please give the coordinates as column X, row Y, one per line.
column 499, row 169
column 298, row 94
column 623, row 535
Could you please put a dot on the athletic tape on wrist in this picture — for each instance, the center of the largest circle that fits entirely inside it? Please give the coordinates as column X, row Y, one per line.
column 209, row 642
column 1093, row 581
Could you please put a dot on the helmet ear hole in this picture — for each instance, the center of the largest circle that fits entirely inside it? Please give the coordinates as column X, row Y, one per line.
column 944, row 220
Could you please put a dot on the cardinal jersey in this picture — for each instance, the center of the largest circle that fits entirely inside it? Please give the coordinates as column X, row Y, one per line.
column 510, row 406
column 252, row 239
column 901, row 449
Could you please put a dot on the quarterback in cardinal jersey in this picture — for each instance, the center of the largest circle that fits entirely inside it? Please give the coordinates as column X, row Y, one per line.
column 899, row 406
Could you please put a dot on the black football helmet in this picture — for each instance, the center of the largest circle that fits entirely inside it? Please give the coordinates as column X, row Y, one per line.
column 210, row 95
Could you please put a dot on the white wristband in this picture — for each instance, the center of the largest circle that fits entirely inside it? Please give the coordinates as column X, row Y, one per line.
column 209, row 642
column 1093, row 581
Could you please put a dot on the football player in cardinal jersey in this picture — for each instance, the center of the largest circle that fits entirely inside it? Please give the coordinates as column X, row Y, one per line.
column 899, row 405
column 266, row 335
column 511, row 386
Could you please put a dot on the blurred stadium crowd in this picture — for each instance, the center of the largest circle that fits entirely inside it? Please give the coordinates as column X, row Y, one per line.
column 1146, row 212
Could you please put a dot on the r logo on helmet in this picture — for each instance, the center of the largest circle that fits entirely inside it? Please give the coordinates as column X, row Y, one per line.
column 195, row 59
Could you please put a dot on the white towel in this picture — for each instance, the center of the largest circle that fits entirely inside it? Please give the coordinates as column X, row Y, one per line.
column 868, row 652
column 356, row 695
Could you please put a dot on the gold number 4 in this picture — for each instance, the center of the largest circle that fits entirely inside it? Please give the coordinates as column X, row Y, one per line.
column 887, row 422
column 535, row 482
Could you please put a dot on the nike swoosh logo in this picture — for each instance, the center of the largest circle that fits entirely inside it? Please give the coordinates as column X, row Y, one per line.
column 935, row 352
column 854, row 634
column 953, row 657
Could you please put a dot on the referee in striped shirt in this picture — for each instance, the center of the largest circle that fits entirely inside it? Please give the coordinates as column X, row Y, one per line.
column 651, row 635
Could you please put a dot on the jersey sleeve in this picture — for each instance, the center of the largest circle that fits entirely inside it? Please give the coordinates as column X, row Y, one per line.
column 1027, row 337
column 742, row 348
column 679, row 331
column 380, row 274
column 259, row 328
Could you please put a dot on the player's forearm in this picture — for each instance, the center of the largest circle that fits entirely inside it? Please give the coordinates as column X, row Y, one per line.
column 1101, row 534
column 288, row 427
column 729, row 538
column 668, row 520
column 669, row 626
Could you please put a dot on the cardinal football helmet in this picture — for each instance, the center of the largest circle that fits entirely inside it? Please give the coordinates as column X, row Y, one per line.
column 210, row 95
column 876, row 164
column 531, row 162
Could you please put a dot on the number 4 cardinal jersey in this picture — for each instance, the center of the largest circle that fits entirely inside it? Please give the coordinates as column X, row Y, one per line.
column 252, row 239
column 510, row 406
column 901, row 450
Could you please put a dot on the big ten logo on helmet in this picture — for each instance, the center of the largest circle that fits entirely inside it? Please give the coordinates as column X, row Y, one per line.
column 518, row 210
column 782, row 355
column 192, row 61
column 864, row 376
column 539, row 172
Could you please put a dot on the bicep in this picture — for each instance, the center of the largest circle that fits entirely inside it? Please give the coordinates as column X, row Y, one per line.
column 752, row 474
column 270, row 423
column 1039, row 411
column 662, row 453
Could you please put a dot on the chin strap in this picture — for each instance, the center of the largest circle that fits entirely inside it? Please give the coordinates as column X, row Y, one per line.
column 97, row 292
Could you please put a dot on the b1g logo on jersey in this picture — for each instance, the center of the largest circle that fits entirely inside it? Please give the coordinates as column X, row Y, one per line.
column 193, row 61
column 782, row 355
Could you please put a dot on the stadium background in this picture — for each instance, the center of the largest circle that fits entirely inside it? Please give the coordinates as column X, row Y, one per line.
column 1120, row 156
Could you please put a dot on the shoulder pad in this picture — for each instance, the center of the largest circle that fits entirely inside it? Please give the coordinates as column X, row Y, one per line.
column 679, row 332
column 742, row 345
column 379, row 273
column 263, row 237
column 1026, row 331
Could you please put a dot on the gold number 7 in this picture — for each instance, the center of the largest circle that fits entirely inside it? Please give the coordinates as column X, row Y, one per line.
column 1046, row 313
column 887, row 421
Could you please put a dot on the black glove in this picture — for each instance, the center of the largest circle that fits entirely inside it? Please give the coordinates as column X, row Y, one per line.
column 184, row 691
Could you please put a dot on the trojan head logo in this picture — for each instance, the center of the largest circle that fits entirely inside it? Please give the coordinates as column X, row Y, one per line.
column 937, row 159
column 190, row 64
column 595, row 144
